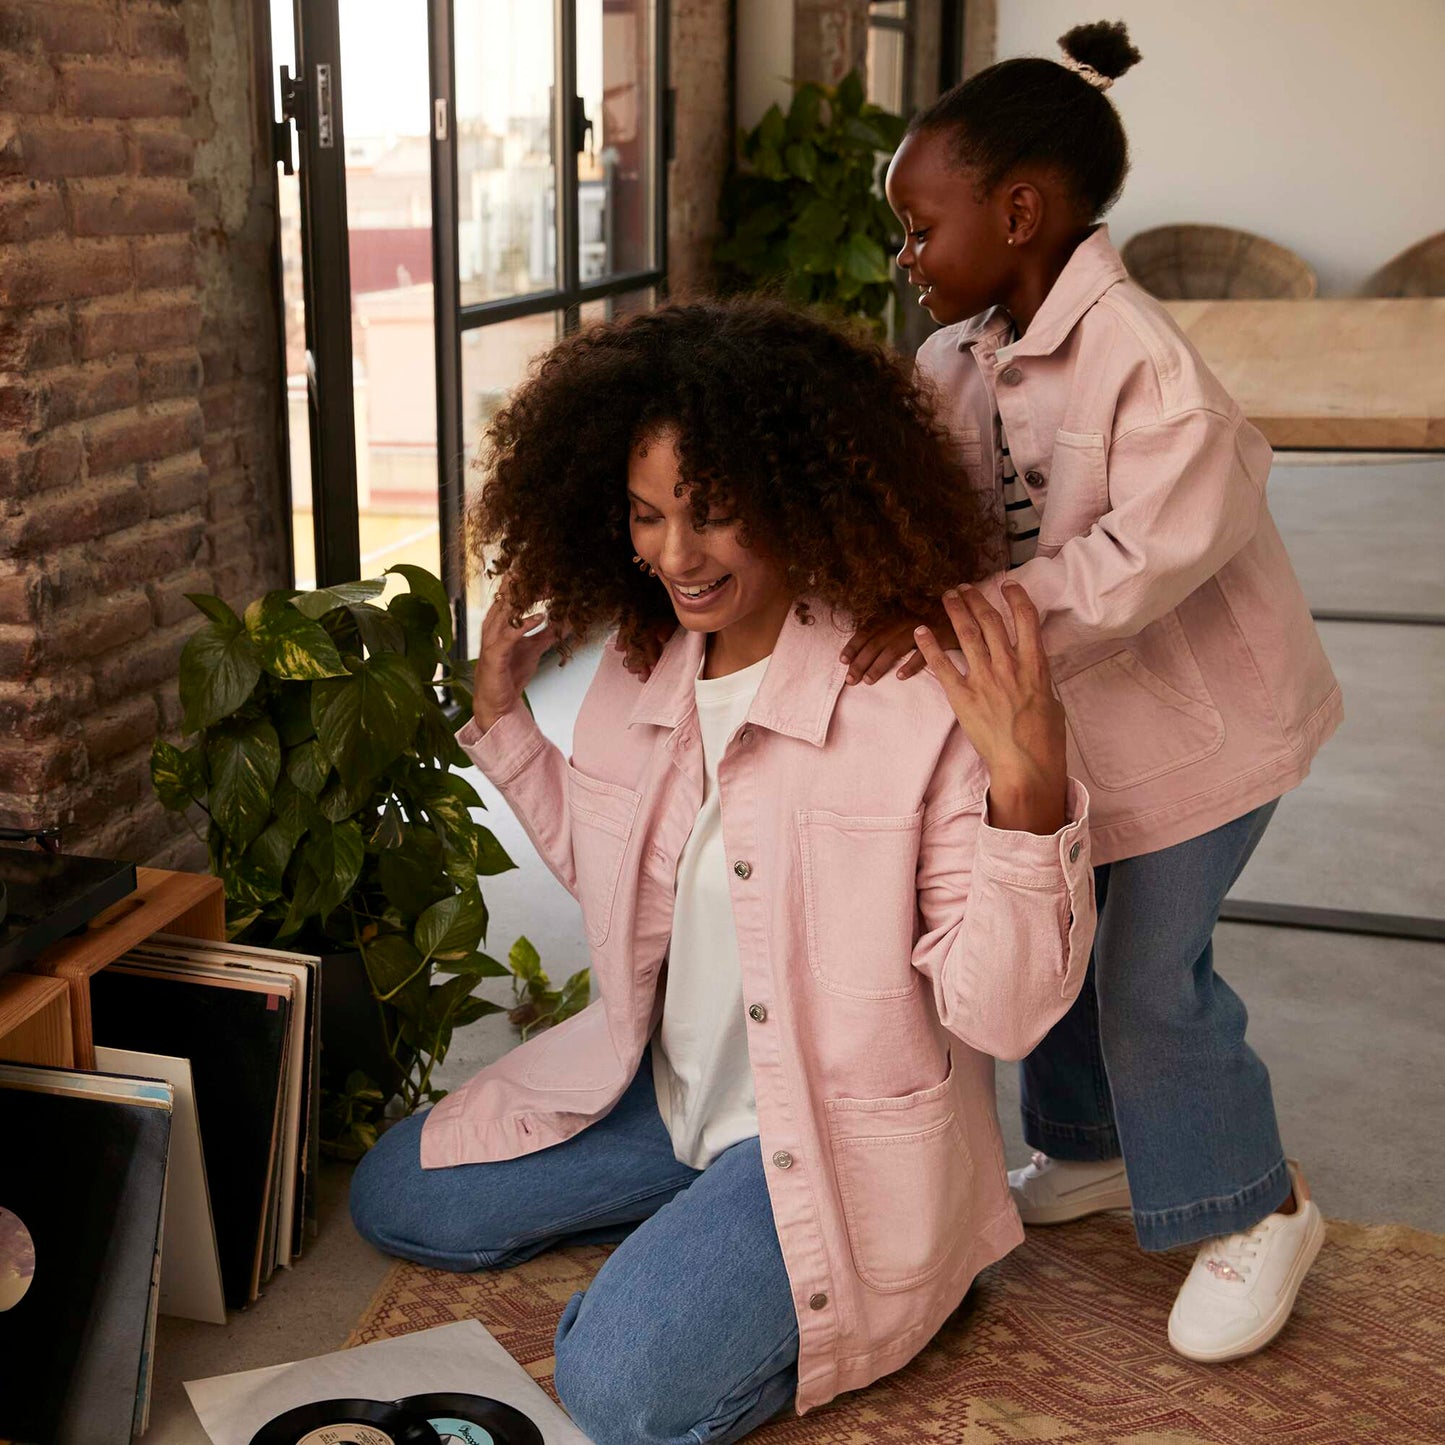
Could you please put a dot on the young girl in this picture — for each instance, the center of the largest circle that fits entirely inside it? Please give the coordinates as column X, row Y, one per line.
column 1131, row 490
column 812, row 912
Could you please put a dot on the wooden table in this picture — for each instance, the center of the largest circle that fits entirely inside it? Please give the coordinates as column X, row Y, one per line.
column 1349, row 375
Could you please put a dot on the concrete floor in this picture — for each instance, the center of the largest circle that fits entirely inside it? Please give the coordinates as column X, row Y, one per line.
column 1348, row 1025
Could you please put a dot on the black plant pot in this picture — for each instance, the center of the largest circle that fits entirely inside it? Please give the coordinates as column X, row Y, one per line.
column 351, row 1031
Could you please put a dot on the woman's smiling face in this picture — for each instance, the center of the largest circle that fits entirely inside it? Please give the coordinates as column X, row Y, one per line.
column 713, row 581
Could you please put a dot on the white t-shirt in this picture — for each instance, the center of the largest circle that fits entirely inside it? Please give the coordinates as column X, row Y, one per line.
column 700, row 1067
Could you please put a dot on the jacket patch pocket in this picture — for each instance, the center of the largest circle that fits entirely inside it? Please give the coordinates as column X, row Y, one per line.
column 905, row 1177
column 859, row 901
column 602, row 818
column 1076, row 491
column 1130, row 723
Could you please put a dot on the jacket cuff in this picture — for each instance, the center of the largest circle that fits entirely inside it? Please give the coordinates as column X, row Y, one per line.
column 1036, row 860
column 506, row 747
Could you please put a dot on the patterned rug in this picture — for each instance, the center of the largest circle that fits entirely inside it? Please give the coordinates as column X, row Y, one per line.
column 1064, row 1342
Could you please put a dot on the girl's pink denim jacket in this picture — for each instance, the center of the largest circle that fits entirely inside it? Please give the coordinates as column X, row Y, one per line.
column 1182, row 646
column 891, row 941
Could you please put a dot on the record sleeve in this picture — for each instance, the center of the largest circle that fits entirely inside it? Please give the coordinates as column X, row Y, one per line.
column 85, row 1172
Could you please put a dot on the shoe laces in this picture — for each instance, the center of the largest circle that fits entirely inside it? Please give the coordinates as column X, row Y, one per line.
column 1230, row 1257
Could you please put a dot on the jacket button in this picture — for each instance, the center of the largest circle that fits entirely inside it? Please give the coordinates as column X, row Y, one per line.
column 746, row 736
column 1034, row 479
column 757, row 1013
column 1074, row 853
column 818, row 1301
column 743, row 870
column 783, row 1159
column 1011, row 376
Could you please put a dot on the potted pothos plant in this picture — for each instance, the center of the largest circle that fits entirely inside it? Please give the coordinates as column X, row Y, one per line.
column 804, row 210
column 325, row 763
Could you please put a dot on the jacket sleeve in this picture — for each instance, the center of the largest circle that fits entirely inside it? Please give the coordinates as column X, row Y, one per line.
column 530, row 772
column 1185, row 494
column 1007, row 924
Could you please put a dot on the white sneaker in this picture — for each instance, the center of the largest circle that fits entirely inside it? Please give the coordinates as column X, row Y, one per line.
column 1054, row 1191
column 1242, row 1287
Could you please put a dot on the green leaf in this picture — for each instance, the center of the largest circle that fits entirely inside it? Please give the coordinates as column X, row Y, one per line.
column 331, row 863
column 244, row 761
column 391, row 963
column 451, row 927
column 526, row 962
column 772, row 129
column 574, row 994
column 365, row 721
column 473, row 1009
column 179, row 777
column 290, row 710
column 475, row 965
column 388, row 831
column 412, row 876
column 216, row 610
column 865, row 134
column 802, row 160
column 492, row 858
column 804, row 113
column 427, row 586
column 307, row 768
column 380, row 631
column 863, row 259
column 290, row 645
column 316, row 604
column 219, row 668
column 850, row 93
column 341, row 800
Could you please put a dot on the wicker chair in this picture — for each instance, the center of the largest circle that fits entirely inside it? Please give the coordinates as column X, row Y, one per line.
column 1211, row 263
column 1420, row 271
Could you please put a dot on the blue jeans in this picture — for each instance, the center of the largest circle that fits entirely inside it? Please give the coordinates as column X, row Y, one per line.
column 1150, row 1062
column 688, row 1333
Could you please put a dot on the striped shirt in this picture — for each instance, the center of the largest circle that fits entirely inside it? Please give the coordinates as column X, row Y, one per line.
column 1021, row 517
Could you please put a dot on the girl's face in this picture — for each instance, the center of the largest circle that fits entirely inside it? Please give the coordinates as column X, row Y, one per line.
column 956, row 247
column 714, row 582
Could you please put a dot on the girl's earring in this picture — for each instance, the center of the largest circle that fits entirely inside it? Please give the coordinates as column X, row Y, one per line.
column 1010, row 240
column 645, row 566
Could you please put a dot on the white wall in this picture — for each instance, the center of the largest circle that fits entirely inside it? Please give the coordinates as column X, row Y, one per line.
column 765, row 58
column 1317, row 123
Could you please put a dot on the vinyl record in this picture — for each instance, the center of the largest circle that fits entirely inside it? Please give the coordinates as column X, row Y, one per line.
column 473, row 1419
column 348, row 1422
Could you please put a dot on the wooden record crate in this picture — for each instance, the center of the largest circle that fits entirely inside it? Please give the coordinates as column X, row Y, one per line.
column 45, row 1014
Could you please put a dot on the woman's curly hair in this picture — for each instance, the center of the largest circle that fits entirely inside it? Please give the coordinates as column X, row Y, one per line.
column 815, row 439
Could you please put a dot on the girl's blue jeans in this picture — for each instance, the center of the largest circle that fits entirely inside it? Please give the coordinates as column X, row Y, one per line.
column 687, row 1335
column 1151, row 1063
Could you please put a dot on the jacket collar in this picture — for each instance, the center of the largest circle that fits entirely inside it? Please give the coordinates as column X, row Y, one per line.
column 798, row 691
column 1092, row 269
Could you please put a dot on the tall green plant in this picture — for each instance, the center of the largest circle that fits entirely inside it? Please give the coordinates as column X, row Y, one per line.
column 323, row 760
column 805, row 209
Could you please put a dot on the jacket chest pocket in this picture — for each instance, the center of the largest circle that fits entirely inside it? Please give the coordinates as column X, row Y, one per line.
column 860, row 901
column 904, row 1174
column 603, row 815
column 1077, row 490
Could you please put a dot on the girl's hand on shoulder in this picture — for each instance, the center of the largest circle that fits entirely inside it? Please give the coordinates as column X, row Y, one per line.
column 872, row 650
column 1005, row 703
column 508, row 660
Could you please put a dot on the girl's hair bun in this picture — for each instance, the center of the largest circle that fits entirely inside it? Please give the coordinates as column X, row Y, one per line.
column 1105, row 46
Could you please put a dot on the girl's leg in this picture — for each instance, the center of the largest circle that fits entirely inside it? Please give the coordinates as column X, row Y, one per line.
column 688, row 1334
column 595, row 1186
column 1192, row 1100
column 1068, row 1112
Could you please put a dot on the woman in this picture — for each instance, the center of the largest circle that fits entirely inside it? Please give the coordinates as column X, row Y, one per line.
column 813, row 912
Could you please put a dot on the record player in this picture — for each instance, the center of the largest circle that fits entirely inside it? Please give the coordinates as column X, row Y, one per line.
column 45, row 895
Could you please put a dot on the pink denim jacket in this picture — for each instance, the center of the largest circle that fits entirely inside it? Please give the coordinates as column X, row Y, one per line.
column 1183, row 650
column 890, row 942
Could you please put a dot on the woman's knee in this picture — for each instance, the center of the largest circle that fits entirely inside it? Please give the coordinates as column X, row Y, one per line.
column 384, row 1181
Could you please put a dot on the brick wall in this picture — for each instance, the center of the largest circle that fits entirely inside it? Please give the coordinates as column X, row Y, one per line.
column 140, row 398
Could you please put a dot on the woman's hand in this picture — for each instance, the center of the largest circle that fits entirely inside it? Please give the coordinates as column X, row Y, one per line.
column 509, row 657
column 1005, row 703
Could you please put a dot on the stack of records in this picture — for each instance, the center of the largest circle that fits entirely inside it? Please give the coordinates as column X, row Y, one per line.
column 82, row 1195
column 245, row 1020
